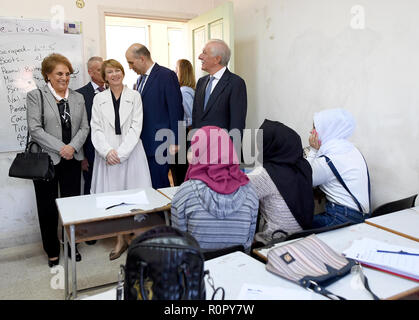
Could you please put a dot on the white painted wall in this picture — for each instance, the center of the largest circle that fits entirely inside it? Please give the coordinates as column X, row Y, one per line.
column 18, row 214
column 302, row 56
column 297, row 57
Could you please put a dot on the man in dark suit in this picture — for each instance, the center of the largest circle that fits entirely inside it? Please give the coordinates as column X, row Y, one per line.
column 96, row 85
column 220, row 97
column 162, row 108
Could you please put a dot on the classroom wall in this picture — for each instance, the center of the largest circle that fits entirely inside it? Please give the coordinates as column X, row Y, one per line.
column 297, row 57
column 303, row 56
column 18, row 214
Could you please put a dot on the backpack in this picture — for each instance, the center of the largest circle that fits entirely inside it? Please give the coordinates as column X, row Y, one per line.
column 164, row 263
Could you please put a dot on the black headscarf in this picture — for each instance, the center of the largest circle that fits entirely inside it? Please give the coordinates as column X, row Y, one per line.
column 283, row 160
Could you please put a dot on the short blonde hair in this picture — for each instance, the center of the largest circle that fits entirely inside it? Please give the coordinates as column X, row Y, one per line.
column 50, row 62
column 186, row 74
column 111, row 63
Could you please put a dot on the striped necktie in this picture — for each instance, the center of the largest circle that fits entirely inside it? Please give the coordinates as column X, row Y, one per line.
column 141, row 82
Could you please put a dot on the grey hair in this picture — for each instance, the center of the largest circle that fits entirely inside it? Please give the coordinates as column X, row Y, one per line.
column 221, row 49
column 93, row 59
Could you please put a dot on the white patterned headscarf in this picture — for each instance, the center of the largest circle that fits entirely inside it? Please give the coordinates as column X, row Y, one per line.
column 334, row 127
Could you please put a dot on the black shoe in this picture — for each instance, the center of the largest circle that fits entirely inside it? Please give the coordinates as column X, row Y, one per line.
column 91, row 242
column 78, row 255
column 52, row 263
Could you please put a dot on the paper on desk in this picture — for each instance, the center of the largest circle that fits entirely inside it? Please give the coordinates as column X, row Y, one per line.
column 258, row 292
column 365, row 251
column 169, row 192
column 138, row 198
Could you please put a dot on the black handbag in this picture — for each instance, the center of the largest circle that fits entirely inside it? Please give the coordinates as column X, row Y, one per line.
column 164, row 263
column 33, row 165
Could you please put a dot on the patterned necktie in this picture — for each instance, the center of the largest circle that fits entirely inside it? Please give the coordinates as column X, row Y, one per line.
column 208, row 91
column 64, row 113
column 141, row 83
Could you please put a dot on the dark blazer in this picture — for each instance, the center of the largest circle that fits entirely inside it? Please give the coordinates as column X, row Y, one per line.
column 88, row 93
column 162, row 106
column 227, row 105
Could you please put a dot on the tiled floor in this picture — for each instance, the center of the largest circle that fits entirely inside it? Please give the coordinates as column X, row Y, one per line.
column 25, row 274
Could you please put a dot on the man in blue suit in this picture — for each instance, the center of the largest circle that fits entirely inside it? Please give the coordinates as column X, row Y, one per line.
column 162, row 107
column 220, row 97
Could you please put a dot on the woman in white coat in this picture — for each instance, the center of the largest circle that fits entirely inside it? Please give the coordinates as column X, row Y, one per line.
column 117, row 119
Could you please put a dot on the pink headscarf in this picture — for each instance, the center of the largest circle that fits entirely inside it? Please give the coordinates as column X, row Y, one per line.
column 214, row 161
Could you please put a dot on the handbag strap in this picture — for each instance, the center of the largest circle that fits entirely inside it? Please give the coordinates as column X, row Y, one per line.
column 210, row 281
column 338, row 176
column 42, row 118
column 315, row 287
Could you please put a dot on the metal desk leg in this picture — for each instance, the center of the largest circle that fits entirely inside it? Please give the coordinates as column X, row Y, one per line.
column 66, row 263
column 166, row 217
column 73, row 261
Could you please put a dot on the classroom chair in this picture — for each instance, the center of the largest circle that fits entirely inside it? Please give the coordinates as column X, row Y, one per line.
column 394, row 206
column 306, row 233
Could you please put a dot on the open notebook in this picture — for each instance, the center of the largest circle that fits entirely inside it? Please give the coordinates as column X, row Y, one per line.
column 401, row 261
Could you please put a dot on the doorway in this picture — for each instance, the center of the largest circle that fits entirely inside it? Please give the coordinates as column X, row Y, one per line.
column 166, row 40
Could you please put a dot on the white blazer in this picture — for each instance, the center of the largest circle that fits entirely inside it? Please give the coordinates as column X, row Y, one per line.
column 102, row 124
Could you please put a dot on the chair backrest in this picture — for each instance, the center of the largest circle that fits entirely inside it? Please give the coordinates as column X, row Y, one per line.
column 394, row 206
column 307, row 232
column 211, row 254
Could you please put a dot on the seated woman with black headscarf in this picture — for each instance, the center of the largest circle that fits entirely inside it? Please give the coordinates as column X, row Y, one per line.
column 283, row 184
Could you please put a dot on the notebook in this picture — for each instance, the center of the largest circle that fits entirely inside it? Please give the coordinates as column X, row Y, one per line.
column 398, row 260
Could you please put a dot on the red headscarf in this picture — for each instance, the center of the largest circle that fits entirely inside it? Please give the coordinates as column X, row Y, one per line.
column 214, row 161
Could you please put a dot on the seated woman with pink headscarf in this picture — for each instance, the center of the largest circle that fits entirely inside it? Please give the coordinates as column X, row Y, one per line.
column 216, row 204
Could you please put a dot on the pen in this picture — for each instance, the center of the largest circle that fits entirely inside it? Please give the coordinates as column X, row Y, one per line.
column 116, row 205
column 399, row 252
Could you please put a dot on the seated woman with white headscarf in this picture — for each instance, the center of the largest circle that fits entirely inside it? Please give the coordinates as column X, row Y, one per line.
column 339, row 169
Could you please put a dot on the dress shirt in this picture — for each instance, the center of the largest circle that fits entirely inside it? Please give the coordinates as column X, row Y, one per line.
column 148, row 75
column 96, row 87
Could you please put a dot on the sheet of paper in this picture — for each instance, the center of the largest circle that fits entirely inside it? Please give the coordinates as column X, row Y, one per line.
column 138, row 198
column 257, row 292
column 365, row 250
column 169, row 192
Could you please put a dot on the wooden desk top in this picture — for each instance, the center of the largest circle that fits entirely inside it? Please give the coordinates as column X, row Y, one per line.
column 82, row 209
column 404, row 223
column 169, row 192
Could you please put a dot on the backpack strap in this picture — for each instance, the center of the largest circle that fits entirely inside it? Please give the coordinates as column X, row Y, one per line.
column 338, row 176
column 369, row 185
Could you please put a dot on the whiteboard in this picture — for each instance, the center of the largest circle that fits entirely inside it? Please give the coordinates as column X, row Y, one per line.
column 24, row 44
